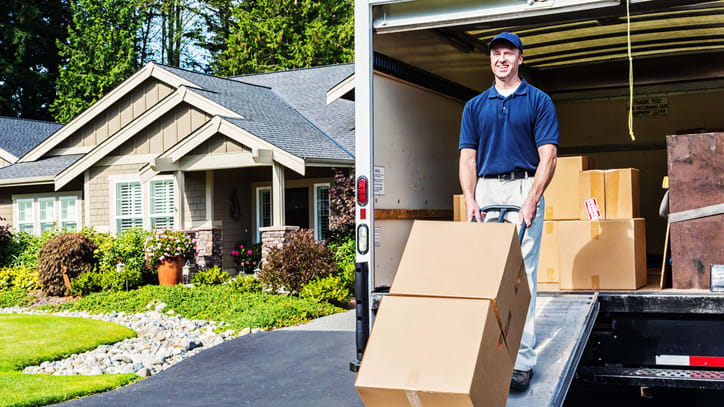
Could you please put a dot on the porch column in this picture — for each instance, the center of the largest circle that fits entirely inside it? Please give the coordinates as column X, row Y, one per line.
column 277, row 194
column 209, row 197
column 180, row 200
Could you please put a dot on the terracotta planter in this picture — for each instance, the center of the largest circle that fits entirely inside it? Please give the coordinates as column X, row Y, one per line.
column 169, row 271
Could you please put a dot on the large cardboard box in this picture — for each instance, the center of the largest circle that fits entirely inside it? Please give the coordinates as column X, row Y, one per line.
column 603, row 255
column 561, row 196
column 592, row 184
column 468, row 260
column 435, row 352
column 549, row 260
column 459, row 208
column 623, row 194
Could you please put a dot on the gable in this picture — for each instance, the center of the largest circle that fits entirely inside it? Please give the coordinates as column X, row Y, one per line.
column 219, row 144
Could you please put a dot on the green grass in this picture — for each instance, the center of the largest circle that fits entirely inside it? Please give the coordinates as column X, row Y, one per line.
column 30, row 339
column 217, row 303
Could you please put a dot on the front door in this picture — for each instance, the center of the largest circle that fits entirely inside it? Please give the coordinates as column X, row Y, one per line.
column 296, row 201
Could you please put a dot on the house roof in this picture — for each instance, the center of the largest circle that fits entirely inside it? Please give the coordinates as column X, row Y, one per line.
column 306, row 90
column 18, row 136
column 45, row 167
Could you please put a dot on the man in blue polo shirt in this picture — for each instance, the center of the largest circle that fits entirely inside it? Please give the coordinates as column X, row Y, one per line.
column 508, row 147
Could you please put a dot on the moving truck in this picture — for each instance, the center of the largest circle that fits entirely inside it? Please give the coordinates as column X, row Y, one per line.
column 416, row 64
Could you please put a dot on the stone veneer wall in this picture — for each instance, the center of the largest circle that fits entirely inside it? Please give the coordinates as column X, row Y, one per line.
column 274, row 237
column 210, row 242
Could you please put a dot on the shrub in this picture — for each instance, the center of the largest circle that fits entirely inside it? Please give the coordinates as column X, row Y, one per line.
column 5, row 237
column 86, row 283
column 212, row 276
column 246, row 257
column 342, row 204
column 126, row 248
column 343, row 251
column 23, row 249
column 246, row 284
column 331, row 289
column 98, row 280
column 164, row 245
column 21, row 278
column 296, row 263
column 15, row 297
column 72, row 252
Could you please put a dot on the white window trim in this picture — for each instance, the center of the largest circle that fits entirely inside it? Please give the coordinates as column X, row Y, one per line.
column 76, row 219
column 35, row 198
column 147, row 202
column 54, row 214
column 257, row 225
column 113, row 219
column 317, row 231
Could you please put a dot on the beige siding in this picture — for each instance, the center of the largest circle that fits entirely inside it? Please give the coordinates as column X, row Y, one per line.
column 218, row 144
column 195, row 202
column 119, row 114
column 164, row 132
column 99, row 201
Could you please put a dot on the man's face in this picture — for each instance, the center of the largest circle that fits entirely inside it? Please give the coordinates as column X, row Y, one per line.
column 504, row 60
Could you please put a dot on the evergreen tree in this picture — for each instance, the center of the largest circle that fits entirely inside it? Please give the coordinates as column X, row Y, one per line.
column 29, row 57
column 271, row 35
column 100, row 52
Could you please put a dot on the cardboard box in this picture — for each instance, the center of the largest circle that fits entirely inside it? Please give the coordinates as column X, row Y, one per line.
column 468, row 260
column 603, row 255
column 561, row 196
column 459, row 208
column 549, row 260
column 434, row 352
column 623, row 194
column 592, row 184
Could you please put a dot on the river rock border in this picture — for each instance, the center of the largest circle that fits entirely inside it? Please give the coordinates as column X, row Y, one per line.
column 163, row 340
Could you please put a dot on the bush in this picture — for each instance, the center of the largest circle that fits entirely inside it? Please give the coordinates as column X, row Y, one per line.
column 98, row 280
column 246, row 284
column 21, row 278
column 331, row 289
column 71, row 252
column 342, row 205
column 5, row 237
column 22, row 251
column 212, row 276
column 15, row 297
column 343, row 251
column 126, row 248
column 246, row 257
column 298, row 262
column 86, row 283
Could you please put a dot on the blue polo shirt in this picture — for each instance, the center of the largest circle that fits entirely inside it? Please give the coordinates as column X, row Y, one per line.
column 507, row 131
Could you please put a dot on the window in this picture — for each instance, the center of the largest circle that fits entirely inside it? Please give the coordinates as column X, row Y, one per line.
column 321, row 211
column 46, row 213
column 26, row 221
column 263, row 210
column 69, row 213
column 129, row 206
column 162, row 204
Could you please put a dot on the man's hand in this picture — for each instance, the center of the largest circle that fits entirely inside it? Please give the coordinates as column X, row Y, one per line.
column 547, row 166
column 527, row 211
column 473, row 211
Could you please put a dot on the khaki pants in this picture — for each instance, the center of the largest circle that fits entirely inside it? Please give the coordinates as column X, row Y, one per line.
column 491, row 191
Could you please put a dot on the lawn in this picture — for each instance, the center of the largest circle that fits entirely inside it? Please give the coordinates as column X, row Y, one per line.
column 30, row 339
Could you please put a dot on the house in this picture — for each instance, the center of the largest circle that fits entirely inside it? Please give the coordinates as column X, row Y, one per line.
column 223, row 158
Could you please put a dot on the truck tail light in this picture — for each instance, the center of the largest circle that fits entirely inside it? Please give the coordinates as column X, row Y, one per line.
column 363, row 239
column 362, row 190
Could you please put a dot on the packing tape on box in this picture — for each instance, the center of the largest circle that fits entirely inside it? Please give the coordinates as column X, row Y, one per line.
column 413, row 399
column 595, row 229
column 549, row 212
column 549, row 227
column 612, row 179
column 550, row 271
column 596, row 282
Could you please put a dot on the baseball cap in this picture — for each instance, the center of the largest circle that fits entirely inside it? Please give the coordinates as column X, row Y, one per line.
column 509, row 37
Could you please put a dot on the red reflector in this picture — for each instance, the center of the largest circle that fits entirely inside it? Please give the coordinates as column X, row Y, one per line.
column 363, row 213
column 715, row 361
column 362, row 191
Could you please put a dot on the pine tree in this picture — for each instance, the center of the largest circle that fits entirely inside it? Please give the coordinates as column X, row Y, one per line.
column 101, row 52
column 271, row 35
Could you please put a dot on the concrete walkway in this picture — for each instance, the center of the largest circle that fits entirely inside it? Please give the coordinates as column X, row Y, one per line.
column 299, row 366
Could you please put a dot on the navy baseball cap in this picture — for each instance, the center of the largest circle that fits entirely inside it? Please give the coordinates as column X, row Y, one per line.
column 509, row 37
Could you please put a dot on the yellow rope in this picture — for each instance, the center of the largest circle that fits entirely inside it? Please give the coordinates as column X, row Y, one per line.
column 630, row 72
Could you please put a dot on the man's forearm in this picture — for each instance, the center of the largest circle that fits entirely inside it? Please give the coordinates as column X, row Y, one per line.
column 546, row 167
column 468, row 176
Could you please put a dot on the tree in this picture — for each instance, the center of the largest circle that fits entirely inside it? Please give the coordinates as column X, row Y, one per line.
column 29, row 58
column 342, row 205
column 271, row 35
column 101, row 52
column 172, row 32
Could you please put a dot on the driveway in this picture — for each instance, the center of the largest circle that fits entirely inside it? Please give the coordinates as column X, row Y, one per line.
column 301, row 366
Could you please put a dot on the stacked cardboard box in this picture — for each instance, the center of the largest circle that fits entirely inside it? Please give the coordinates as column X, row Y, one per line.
column 449, row 332
column 608, row 253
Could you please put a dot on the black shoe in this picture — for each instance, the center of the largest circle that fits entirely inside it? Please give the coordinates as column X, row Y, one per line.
column 521, row 380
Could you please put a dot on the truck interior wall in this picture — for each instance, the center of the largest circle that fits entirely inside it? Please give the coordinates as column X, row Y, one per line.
column 601, row 123
column 416, row 139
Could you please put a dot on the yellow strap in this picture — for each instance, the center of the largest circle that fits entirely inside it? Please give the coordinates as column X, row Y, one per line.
column 630, row 73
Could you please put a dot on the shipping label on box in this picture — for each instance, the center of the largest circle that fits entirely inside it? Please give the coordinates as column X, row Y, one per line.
column 468, row 260
column 561, row 195
column 435, row 352
column 592, row 185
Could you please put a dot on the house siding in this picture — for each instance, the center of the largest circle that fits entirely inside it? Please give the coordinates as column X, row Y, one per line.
column 195, row 202
column 6, row 200
column 99, row 186
column 119, row 114
column 218, row 144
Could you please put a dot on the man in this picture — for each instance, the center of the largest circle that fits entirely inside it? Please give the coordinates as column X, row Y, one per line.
column 508, row 147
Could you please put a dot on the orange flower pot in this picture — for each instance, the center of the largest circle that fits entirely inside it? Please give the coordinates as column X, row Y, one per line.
column 169, row 271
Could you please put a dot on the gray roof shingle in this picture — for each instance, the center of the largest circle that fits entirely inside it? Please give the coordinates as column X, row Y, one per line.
column 309, row 129
column 18, row 136
column 45, row 167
